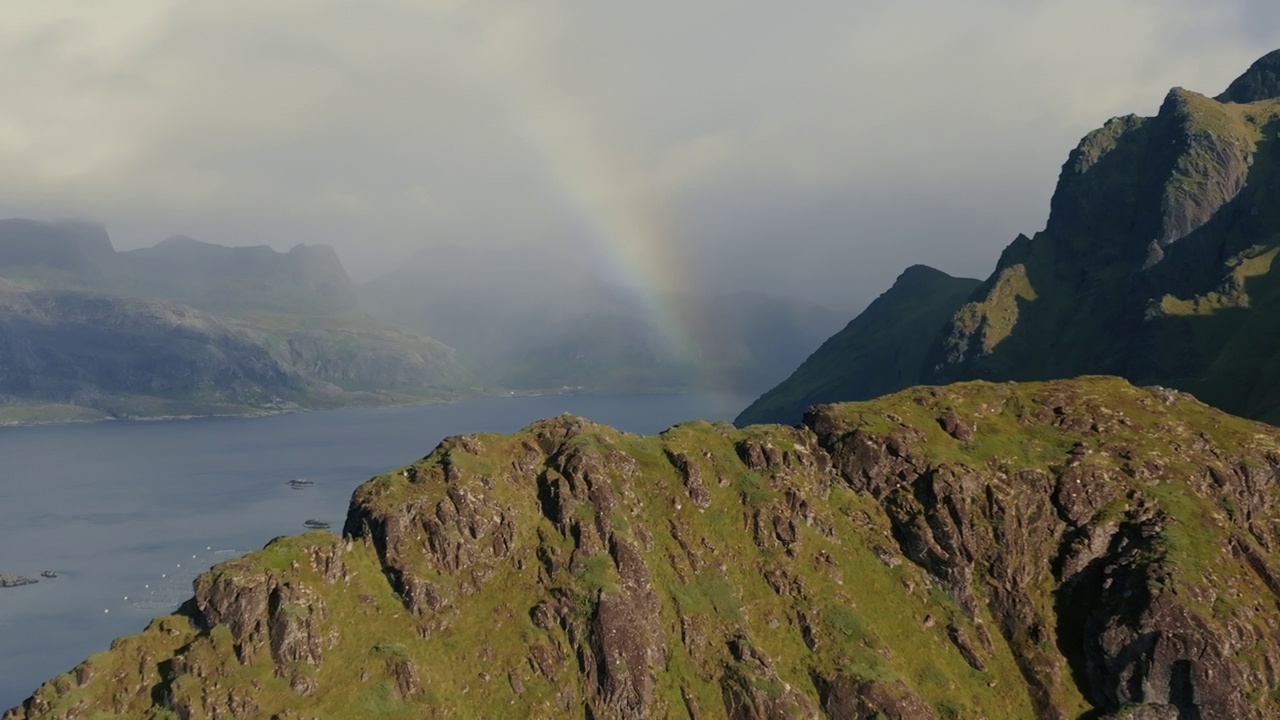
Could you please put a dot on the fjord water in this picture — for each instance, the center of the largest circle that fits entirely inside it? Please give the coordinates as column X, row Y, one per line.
column 128, row 513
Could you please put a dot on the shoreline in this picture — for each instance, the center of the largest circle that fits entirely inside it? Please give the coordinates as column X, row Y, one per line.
column 250, row 413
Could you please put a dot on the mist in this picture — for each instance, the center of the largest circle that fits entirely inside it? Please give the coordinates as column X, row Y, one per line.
column 813, row 150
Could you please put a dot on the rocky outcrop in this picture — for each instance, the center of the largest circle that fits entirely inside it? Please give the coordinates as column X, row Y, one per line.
column 268, row 614
column 1055, row 550
column 753, row 691
column 8, row 580
column 857, row 698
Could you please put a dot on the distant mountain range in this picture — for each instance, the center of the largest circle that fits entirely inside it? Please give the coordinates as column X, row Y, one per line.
column 75, row 256
column 192, row 328
column 1156, row 264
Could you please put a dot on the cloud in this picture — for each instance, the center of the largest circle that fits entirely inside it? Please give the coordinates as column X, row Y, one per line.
column 816, row 146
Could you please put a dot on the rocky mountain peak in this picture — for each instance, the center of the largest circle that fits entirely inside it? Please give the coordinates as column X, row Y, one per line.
column 1155, row 264
column 919, row 276
column 1260, row 82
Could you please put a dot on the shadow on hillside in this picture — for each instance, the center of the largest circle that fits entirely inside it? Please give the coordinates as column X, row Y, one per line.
column 1095, row 310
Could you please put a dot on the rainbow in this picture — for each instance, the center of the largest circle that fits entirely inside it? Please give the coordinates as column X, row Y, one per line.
column 629, row 232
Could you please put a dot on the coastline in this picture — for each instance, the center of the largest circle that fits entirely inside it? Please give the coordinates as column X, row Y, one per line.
column 360, row 400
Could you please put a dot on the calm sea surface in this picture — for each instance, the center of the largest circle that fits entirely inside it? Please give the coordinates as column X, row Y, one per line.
column 127, row 513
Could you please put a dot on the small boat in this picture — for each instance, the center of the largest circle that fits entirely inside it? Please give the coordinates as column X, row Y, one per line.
column 48, row 574
column 317, row 524
column 297, row 483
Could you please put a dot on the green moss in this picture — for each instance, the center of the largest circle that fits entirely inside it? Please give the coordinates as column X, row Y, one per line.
column 597, row 576
column 710, row 596
column 753, row 490
column 994, row 317
column 381, row 700
column 849, row 625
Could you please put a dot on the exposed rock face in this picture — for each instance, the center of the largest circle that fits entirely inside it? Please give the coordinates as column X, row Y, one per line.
column 1056, row 550
column 862, row 699
column 1164, row 176
column 753, row 691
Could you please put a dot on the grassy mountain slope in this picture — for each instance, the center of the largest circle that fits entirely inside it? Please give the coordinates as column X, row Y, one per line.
column 1065, row 549
column 123, row 357
column 879, row 352
column 1155, row 264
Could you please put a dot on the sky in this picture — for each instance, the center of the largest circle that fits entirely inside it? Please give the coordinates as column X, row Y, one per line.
column 810, row 148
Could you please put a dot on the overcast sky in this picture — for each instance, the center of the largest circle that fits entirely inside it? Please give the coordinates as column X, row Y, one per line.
column 816, row 148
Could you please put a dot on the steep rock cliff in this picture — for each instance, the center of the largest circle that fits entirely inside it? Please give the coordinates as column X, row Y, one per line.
column 1155, row 264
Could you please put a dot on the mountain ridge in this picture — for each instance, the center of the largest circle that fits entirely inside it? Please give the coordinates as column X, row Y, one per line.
column 1154, row 264
column 190, row 328
column 872, row 355
column 1078, row 548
